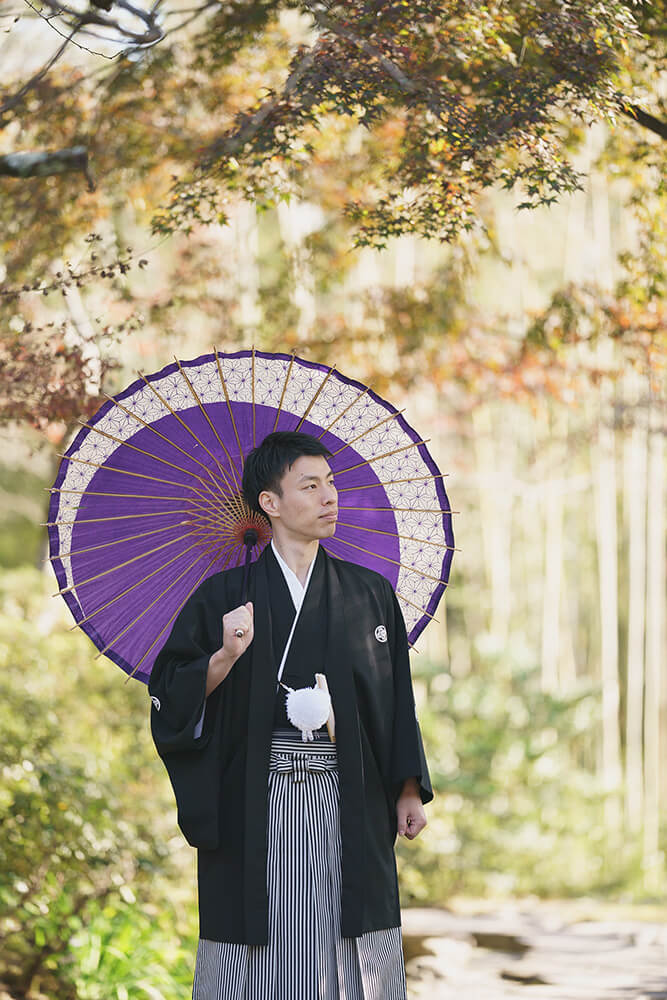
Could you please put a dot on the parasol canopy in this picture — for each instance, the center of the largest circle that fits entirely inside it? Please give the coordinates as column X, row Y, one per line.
column 147, row 502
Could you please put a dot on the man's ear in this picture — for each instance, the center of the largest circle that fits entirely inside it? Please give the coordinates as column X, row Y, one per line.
column 266, row 501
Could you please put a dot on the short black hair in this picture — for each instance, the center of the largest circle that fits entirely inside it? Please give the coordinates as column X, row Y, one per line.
column 266, row 464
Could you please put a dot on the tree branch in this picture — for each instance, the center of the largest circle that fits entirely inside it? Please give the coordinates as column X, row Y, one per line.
column 230, row 144
column 34, row 80
column 79, row 19
column 43, row 164
column 644, row 118
column 227, row 145
column 404, row 82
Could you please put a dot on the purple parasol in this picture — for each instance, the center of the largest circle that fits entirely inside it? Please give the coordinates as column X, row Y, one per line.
column 147, row 502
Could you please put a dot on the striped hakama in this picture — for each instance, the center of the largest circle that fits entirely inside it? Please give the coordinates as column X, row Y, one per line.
column 306, row 957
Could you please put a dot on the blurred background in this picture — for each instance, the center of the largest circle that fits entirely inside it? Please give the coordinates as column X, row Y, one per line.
column 529, row 346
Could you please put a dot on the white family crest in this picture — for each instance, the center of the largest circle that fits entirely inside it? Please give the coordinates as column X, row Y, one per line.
column 156, row 702
column 381, row 633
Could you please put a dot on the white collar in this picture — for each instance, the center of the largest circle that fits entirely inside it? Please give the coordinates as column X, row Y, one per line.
column 296, row 588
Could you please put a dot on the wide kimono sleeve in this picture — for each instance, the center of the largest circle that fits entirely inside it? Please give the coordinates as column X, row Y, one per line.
column 177, row 684
column 408, row 759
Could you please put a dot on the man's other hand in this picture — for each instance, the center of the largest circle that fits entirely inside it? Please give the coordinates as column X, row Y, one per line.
column 410, row 811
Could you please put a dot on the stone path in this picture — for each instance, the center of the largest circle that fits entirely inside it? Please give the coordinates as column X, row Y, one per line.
column 539, row 952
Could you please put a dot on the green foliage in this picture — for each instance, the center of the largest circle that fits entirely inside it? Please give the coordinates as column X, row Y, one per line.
column 399, row 119
column 92, row 903
column 458, row 98
column 436, row 102
column 20, row 541
column 85, row 908
column 517, row 810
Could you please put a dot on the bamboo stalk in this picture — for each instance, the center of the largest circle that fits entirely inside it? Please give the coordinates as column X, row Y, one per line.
column 553, row 561
column 656, row 649
column 635, row 492
column 604, row 478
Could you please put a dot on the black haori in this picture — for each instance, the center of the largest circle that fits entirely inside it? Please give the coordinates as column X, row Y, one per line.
column 351, row 629
column 306, row 956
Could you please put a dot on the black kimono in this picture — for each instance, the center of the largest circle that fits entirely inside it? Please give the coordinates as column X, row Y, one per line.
column 351, row 628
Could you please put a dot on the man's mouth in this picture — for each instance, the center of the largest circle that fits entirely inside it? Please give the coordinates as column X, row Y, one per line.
column 329, row 517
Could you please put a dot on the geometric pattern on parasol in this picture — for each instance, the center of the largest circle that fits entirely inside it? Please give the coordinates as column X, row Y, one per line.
column 147, row 502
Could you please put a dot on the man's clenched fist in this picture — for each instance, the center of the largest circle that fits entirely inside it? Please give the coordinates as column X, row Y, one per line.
column 240, row 620
column 237, row 634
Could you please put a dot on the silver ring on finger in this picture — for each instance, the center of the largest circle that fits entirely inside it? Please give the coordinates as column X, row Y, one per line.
column 239, row 633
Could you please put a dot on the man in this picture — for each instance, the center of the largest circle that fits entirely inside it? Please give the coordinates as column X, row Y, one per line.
column 298, row 895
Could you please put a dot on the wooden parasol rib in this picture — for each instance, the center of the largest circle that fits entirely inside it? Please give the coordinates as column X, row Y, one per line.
column 138, row 583
column 232, row 466
column 391, row 482
column 115, row 541
column 342, row 414
column 154, row 430
column 314, row 399
column 128, row 562
column 229, row 405
column 394, row 534
column 164, row 629
column 368, row 430
column 282, row 395
column 156, row 599
column 187, row 428
column 179, row 468
column 396, row 562
column 137, row 475
column 112, row 517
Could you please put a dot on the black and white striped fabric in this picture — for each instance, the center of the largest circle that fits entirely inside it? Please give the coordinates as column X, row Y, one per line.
column 306, row 957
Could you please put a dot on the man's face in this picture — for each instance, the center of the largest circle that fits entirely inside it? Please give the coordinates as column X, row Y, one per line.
column 308, row 507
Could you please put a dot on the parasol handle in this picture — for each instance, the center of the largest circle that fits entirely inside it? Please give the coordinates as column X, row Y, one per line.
column 249, row 540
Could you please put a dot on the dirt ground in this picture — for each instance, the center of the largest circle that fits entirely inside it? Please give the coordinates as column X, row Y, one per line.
column 575, row 950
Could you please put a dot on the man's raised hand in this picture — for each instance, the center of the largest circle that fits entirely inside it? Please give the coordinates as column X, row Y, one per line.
column 238, row 630
column 237, row 633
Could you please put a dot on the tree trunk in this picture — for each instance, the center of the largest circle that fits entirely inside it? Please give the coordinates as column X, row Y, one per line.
column 553, row 555
column 635, row 493
column 606, row 495
column 656, row 647
column 298, row 219
column 80, row 333
column 246, row 255
column 496, row 496
column 605, row 505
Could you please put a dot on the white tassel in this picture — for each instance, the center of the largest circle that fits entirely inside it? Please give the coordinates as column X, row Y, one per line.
column 308, row 709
